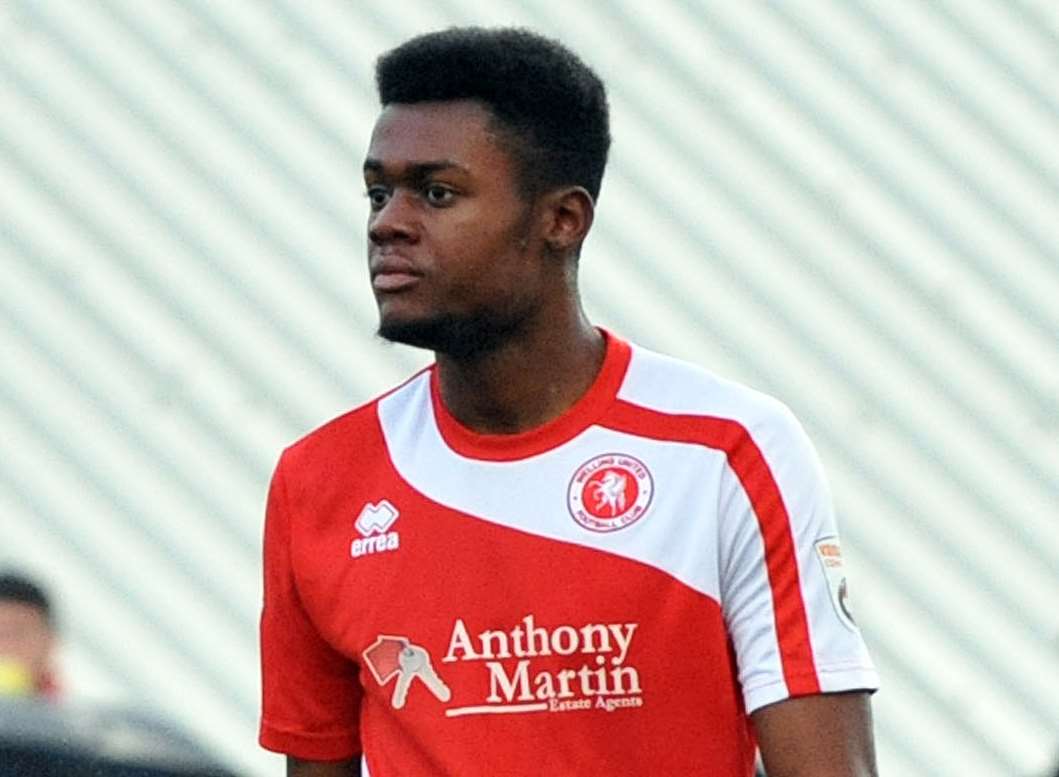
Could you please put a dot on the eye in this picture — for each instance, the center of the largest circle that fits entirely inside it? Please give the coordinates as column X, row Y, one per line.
column 378, row 196
column 437, row 194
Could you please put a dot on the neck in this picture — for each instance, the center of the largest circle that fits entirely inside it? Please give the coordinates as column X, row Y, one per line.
column 526, row 381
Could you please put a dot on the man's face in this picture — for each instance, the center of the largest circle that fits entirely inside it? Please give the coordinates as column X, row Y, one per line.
column 450, row 243
column 25, row 637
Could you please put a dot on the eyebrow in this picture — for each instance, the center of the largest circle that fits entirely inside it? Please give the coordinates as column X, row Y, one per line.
column 415, row 170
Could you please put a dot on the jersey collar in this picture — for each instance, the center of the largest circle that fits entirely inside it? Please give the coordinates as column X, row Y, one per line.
column 510, row 447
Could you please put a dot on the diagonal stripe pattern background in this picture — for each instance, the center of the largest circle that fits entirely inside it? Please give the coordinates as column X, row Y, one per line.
column 850, row 204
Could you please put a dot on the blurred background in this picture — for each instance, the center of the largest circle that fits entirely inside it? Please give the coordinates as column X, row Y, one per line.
column 851, row 204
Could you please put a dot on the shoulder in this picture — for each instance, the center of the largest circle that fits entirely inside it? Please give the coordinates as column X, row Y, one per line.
column 692, row 397
column 344, row 437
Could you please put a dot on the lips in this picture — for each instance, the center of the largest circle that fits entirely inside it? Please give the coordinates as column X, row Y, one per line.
column 393, row 273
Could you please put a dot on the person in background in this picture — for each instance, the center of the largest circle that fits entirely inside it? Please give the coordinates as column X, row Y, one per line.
column 27, row 638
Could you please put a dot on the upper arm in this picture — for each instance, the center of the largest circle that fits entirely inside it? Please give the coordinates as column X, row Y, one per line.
column 299, row 768
column 827, row 735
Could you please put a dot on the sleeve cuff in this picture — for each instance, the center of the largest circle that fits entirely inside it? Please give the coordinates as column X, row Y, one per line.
column 310, row 746
column 834, row 680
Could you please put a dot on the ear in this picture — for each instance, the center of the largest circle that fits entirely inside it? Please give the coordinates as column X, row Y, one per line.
column 568, row 213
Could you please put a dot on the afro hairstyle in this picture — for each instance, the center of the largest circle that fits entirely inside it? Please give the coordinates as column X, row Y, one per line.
column 550, row 109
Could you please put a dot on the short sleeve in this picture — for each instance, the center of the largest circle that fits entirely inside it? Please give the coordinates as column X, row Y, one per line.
column 310, row 692
column 784, row 589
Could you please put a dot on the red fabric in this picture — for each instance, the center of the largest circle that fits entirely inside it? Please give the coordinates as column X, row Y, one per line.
column 310, row 690
column 324, row 615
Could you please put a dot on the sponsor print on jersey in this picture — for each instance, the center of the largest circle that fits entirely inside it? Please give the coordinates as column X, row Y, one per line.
column 610, row 492
column 374, row 523
column 829, row 552
column 594, row 671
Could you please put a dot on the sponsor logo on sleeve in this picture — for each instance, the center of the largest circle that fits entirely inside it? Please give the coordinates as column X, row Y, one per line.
column 829, row 551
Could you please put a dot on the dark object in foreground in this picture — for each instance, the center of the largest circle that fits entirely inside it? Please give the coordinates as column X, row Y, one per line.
column 39, row 739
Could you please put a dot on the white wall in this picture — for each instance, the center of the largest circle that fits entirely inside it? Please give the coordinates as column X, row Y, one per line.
column 847, row 203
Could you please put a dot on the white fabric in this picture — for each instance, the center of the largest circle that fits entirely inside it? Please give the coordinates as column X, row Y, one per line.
column 530, row 494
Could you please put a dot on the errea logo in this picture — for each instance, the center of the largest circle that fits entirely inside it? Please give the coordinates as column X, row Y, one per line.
column 373, row 523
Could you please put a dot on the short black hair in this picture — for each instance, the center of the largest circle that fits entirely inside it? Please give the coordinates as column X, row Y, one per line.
column 549, row 104
column 17, row 588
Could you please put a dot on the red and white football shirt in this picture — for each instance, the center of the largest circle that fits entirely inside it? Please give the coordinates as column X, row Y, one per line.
column 615, row 590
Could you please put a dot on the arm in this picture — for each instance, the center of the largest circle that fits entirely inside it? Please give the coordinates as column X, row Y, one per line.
column 299, row 768
column 827, row 735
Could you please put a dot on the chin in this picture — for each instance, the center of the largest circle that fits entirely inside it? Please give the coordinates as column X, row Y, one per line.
column 465, row 337
column 419, row 333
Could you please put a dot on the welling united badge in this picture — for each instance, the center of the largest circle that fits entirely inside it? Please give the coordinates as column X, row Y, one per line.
column 610, row 492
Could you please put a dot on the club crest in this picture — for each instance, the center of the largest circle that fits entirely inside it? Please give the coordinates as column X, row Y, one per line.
column 610, row 492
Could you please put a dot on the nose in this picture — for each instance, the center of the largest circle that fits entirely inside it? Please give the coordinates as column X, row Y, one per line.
column 393, row 222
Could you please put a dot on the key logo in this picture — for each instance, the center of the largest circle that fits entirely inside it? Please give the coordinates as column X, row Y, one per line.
column 610, row 492
column 393, row 656
column 374, row 523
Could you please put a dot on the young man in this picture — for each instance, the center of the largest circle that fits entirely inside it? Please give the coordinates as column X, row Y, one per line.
column 552, row 552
